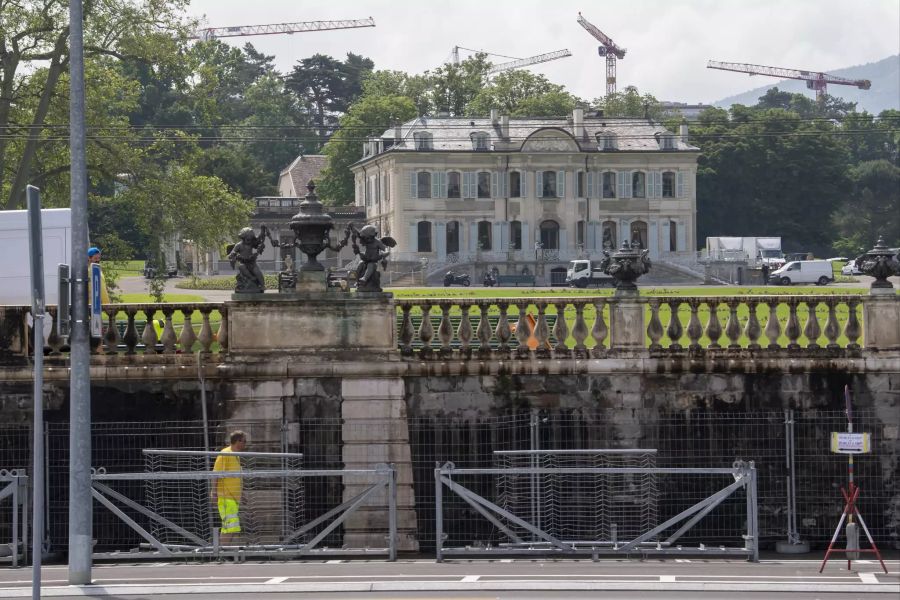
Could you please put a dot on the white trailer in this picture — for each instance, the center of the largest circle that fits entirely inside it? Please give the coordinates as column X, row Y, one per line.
column 756, row 251
column 15, row 275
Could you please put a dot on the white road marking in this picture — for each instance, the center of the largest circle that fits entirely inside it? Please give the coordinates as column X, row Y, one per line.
column 470, row 578
column 333, row 562
column 682, row 560
column 868, row 578
column 275, row 580
column 667, row 579
column 506, row 560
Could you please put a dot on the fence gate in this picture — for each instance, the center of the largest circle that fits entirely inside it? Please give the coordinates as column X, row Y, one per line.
column 594, row 510
column 14, row 488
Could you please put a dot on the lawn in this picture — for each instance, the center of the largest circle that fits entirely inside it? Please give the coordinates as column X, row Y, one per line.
column 125, row 268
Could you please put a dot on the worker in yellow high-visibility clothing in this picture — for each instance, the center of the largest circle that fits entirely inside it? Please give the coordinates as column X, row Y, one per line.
column 94, row 257
column 226, row 492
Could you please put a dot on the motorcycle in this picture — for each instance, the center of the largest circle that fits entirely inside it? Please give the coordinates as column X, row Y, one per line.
column 452, row 278
column 490, row 279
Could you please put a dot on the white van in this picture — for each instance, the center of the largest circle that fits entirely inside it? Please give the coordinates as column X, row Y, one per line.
column 804, row 271
column 15, row 275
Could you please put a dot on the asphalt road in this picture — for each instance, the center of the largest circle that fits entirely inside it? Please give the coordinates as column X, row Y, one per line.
column 506, row 579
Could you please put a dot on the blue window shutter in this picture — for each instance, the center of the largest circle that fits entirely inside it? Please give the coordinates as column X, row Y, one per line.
column 523, row 179
column 680, row 236
column 562, row 240
column 629, row 181
column 440, row 234
column 590, row 235
column 560, row 184
column 526, row 240
column 590, row 184
column 680, row 192
column 495, row 187
column 413, row 184
column 414, row 237
column 497, row 235
column 539, row 184
column 504, row 236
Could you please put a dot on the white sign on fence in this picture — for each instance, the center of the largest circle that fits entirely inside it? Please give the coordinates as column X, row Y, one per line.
column 850, row 443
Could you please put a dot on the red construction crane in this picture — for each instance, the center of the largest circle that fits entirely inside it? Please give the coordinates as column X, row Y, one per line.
column 607, row 48
column 814, row 80
column 302, row 26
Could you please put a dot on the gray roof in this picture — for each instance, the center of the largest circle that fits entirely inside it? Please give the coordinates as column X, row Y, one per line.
column 304, row 168
column 453, row 133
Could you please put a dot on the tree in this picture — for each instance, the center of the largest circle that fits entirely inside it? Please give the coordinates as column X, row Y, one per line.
column 397, row 83
column 629, row 103
column 370, row 115
column 871, row 210
column 453, row 87
column 522, row 93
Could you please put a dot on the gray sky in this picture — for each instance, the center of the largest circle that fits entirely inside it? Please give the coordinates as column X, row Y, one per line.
column 668, row 42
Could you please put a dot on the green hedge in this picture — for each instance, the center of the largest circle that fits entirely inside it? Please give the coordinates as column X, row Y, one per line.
column 219, row 283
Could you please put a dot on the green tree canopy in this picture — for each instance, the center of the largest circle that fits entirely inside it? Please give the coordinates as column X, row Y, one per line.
column 520, row 93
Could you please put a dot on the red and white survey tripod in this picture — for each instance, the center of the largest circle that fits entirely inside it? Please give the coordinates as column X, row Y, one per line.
column 851, row 443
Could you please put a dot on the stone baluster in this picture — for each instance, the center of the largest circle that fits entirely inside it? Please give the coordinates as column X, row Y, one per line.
column 561, row 331
column 542, row 332
column 773, row 325
column 523, row 330
column 406, row 331
column 484, row 332
column 733, row 326
column 148, row 337
column 54, row 341
column 580, row 331
column 713, row 326
column 852, row 329
column 464, row 333
column 832, row 329
column 445, row 330
column 187, row 337
column 654, row 327
column 111, row 339
column 812, row 330
column 792, row 327
column 599, row 331
column 168, row 337
column 206, row 334
column 674, row 329
column 426, row 331
column 752, row 330
column 222, row 333
column 131, row 337
column 694, row 328
column 504, row 333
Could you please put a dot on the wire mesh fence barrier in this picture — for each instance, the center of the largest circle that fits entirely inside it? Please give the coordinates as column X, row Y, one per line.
column 728, row 495
column 15, row 457
column 14, row 516
column 580, row 505
column 259, row 498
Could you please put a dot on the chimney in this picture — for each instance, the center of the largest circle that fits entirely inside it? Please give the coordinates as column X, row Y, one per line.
column 495, row 114
column 578, row 123
column 398, row 134
column 504, row 126
column 683, row 131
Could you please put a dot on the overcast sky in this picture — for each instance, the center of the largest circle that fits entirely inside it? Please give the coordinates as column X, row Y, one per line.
column 668, row 41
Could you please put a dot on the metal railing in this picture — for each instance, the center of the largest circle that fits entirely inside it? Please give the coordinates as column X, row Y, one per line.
column 14, row 487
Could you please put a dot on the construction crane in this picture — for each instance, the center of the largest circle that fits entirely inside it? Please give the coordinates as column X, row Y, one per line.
column 513, row 63
column 607, row 48
column 814, row 80
column 302, row 26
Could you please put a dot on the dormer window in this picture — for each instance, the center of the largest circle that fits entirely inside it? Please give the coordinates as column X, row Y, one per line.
column 479, row 140
column 423, row 140
column 606, row 141
column 666, row 141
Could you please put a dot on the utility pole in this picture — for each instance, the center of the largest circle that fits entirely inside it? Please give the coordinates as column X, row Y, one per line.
column 80, row 500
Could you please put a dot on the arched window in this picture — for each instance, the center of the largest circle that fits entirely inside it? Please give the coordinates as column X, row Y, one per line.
column 639, row 184
column 423, row 184
column 668, row 184
column 452, row 237
column 424, row 236
column 515, row 235
column 484, row 235
column 550, row 235
column 479, row 140
column 639, row 234
column 423, row 140
column 609, row 184
column 609, row 241
column 515, row 184
column 453, row 185
column 484, row 184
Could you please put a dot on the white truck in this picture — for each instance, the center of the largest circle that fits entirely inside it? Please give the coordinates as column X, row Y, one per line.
column 15, row 276
column 587, row 273
column 757, row 251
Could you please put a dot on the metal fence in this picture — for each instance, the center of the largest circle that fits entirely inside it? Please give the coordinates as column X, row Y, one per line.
column 14, row 515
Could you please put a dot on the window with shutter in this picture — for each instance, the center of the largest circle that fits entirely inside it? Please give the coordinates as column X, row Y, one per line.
column 436, row 185
column 424, row 180
column 560, row 184
column 413, row 184
column 484, row 184
column 579, row 184
column 591, row 192
column 515, row 184
column 620, row 183
column 628, row 181
column 495, row 187
column 609, row 184
column 681, row 184
column 539, row 185
column 453, row 185
column 638, row 184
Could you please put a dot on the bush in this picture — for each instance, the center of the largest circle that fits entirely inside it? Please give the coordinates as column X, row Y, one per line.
column 220, row 283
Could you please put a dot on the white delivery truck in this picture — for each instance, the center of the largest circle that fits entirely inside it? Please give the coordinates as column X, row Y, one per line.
column 757, row 251
column 587, row 273
column 803, row 271
column 15, row 274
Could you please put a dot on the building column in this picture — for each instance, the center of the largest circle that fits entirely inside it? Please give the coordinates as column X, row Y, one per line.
column 375, row 431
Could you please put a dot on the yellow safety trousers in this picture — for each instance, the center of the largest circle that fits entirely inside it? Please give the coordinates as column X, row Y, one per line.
column 228, row 511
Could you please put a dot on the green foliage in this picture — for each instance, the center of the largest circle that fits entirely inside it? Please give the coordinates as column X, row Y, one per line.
column 221, row 283
column 629, row 103
column 520, row 93
column 453, row 87
column 871, row 210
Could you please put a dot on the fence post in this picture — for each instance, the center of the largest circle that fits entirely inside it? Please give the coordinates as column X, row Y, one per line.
column 754, row 514
column 793, row 545
column 438, row 514
column 392, row 514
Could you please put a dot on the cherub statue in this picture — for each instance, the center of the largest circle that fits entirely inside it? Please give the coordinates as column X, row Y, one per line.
column 249, row 278
column 371, row 251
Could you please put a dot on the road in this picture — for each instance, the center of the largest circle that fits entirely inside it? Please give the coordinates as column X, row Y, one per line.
column 698, row 579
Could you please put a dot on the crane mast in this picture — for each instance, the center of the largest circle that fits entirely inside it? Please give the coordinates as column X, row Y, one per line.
column 814, row 80
column 299, row 27
column 607, row 48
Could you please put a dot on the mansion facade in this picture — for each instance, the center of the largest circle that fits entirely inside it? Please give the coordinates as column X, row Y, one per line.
column 452, row 188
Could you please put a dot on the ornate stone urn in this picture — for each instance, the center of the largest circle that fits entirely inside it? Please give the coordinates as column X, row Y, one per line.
column 625, row 266
column 880, row 263
column 311, row 226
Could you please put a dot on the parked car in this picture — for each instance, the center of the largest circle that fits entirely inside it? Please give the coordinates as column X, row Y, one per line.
column 452, row 278
column 150, row 270
column 804, row 271
column 850, row 268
